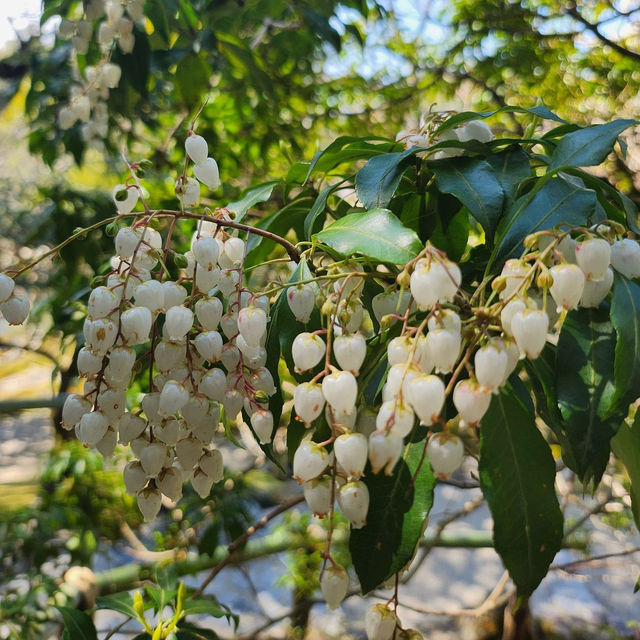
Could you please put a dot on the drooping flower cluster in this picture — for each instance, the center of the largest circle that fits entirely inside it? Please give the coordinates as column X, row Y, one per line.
column 201, row 338
column 109, row 22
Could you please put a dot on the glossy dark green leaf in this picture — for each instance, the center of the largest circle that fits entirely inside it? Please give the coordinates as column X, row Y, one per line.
column 122, row 602
column 589, row 146
column 510, row 167
column 585, row 387
column 473, row 182
column 376, row 234
column 517, row 474
column 396, row 520
column 625, row 317
column 626, row 447
column 378, row 180
column 252, row 197
column 77, row 625
column 556, row 201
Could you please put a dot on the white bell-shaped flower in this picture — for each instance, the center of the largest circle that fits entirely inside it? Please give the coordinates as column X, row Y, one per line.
column 340, row 390
column 445, row 452
column 135, row 325
column 307, row 350
column 317, row 495
column 302, row 300
column 309, row 461
column 595, row 291
column 490, row 365
column 208, row 173
column 568, row 285
column 625, row 257
column 593, row 256
column 334, row 585
column 351, row 453
column 196, row 148
column 426, row 395
column 385, row 450
column 395, row 416
column 308, row 401
column 178, row 322
column 529, row 328
column 471, row 400
column 262, row 423
column 350, row 351
column 353, row 499
column 444, row 346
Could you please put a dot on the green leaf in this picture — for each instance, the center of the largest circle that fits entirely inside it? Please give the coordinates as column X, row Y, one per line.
column 510, row 167
column 77, row 625
column 378, row 180
column 322, row 28
column 625, row 317
column 585, row 388
column 209, row 606
column 472, row 181
column 626, row 447
column 589, row 146
column 517, row 474
column 554, row 201
column 122, row 602
column 376, row 234
column 252, row 197
column 191, row 632
column 396, row 521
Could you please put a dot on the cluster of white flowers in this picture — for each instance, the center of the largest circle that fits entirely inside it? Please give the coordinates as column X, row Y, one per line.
column 202, row 344
column 111, row 21
column 14, row 304
column 485, row 345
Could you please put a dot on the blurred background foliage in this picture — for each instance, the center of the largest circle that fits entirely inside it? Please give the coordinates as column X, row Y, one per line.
column 280, row 79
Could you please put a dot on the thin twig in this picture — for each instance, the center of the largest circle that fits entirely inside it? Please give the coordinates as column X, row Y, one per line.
column 239, row 541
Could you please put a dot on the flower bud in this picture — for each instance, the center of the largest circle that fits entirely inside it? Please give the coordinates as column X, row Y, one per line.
column 196, row 148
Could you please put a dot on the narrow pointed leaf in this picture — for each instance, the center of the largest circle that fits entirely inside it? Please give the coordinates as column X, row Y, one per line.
column 517, row 475
column 510, row 167
column 252, row 197
column 396, row 520
column 376, row 234
column 589, row 146
column 378, row 180
column 556, row 201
